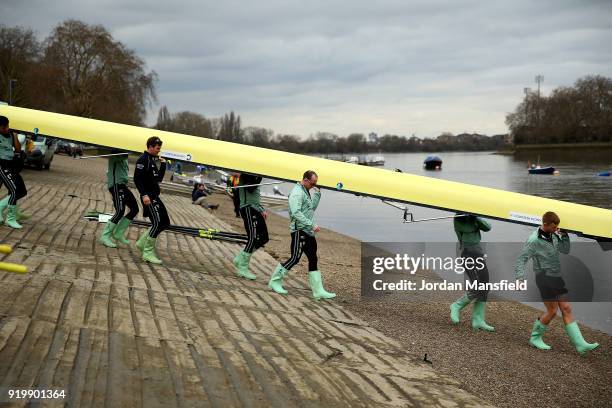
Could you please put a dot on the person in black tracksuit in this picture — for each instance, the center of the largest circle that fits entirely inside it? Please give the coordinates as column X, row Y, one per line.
column 147, row 177
column 11, row 162
column 117, row 180
column 254, row 217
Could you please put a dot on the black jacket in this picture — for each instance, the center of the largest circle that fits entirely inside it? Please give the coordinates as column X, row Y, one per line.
column 147, row 176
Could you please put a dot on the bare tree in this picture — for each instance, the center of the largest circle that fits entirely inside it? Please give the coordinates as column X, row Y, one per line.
column 164, row 120
column 230, row 128
column 325, row 142
column 595, row 95
column 96, row 76
column 192, row 123
column 19, row 53
column 582, row 113
column 257, row 136
column 288, row 143
column 356, row 143
column 189, row 123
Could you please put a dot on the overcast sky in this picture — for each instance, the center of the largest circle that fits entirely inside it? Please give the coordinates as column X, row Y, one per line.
column 299, row 67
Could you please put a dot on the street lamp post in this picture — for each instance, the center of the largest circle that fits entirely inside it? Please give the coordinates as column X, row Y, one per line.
column 11, row 82
column 539, row 79
column 527, row 91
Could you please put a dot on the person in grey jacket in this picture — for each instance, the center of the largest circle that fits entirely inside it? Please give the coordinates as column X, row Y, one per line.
column 303, row 201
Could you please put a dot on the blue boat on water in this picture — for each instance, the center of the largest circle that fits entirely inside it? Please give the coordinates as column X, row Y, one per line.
column 541, row 170
column 537, row 169
column 604, row 174
column 432, row 163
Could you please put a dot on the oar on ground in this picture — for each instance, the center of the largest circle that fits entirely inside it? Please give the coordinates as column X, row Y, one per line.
column 209, row 233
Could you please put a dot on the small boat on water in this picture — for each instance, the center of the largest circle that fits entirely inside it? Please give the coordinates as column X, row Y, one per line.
column 366, row 160
column 432, row 163
column 537, row 169
column 541, row 170
column 604, row 174
column 374, row 161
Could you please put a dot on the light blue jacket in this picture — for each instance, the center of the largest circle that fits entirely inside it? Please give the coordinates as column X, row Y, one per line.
column 545, row 255
column 302, row 206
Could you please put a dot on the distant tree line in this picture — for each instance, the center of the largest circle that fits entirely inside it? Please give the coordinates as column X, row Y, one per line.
column 228, row 128
column 578, row 114
column 327, row 143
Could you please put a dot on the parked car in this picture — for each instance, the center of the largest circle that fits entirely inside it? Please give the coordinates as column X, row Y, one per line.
column 40, row 151
column 69, row 148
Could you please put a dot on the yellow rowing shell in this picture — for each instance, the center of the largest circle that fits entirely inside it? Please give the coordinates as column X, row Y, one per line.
column 424, row 191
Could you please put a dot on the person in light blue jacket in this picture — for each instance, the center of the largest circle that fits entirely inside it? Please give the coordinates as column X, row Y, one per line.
column 543, row 247
column 303, row 201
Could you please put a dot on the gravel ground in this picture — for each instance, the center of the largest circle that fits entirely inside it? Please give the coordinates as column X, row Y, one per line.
column 500, row 367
